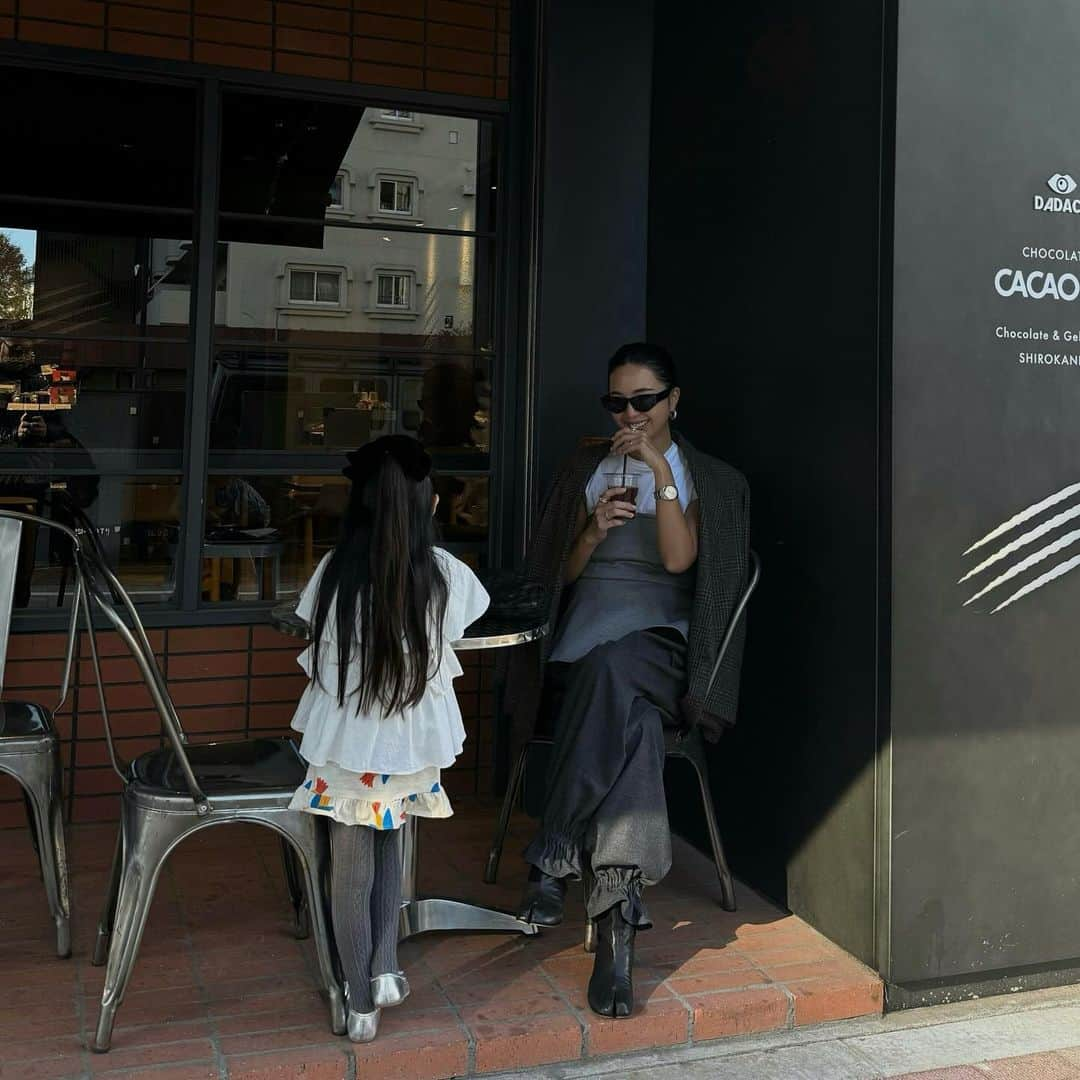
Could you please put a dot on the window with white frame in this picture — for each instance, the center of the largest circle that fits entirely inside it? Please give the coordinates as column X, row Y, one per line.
column 393, row 292
column 337, row 193
column 394, row 289
column 399, row 120
column 317, row 288
column 339, row 198
column 397, row 196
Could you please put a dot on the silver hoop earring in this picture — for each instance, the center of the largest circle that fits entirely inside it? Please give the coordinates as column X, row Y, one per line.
column 674, row 414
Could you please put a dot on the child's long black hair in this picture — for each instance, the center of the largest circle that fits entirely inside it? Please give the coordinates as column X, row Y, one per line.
column 391, row 593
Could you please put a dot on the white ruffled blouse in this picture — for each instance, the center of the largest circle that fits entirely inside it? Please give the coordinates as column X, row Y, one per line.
column 429, row 735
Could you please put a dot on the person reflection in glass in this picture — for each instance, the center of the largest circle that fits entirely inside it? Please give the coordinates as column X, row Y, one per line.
column 37, row 489
column 237, row 507
column 448, row 407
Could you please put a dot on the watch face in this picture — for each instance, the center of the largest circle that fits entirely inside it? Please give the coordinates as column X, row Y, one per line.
column 668, row 493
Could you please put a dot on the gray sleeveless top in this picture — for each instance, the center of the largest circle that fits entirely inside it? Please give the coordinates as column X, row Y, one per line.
column 624, row 587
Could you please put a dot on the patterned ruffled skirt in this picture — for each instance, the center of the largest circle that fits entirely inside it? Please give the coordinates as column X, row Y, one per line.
column 378, row 800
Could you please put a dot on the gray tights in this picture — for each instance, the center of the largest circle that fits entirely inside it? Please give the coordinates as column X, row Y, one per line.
column 365, row 896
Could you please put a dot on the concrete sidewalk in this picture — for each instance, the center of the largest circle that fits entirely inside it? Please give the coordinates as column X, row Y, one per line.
column 1030, row 1036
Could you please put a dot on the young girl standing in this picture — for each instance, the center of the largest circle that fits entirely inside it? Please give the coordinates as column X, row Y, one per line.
column 379, row 717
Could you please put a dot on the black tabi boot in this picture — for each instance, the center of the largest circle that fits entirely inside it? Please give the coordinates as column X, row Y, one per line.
column 544, row 899
column 611, row 988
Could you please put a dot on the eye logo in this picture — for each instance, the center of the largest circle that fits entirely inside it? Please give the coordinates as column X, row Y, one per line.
column 1061, row 184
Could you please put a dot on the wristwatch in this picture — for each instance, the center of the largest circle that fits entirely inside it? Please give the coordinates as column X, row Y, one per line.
column 667, row 493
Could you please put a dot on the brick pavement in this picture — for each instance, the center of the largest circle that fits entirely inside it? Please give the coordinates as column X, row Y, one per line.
column 221, row 989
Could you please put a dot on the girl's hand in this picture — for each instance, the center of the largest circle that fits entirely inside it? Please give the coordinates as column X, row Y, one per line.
column 637, row 444
column 610, row 513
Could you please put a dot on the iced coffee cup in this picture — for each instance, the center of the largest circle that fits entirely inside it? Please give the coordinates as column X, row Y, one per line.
column 626, row 480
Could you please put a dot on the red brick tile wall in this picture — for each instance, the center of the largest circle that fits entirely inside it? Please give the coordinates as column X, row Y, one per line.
column 448, row 46
column 228, row 682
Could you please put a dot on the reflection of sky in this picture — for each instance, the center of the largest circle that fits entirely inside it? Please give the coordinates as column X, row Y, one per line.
column 25, row 240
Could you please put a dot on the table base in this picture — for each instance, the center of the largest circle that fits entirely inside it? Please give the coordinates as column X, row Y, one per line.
column 420, row 916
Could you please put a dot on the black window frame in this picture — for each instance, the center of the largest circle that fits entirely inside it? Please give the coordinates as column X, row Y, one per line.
column 510, row 385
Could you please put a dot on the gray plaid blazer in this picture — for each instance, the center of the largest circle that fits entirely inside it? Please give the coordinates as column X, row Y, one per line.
column 722, row 569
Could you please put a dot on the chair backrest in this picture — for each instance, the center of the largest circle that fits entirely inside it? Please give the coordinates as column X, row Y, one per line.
column 736, row 617
column 11, row 531
column 103, row 587
column 10, row 536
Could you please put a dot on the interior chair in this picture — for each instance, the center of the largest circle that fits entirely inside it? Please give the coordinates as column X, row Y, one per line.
column 29, row 746
column 173, row 792
column 688, row 745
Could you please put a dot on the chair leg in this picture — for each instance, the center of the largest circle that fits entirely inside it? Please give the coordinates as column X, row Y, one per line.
column 108, row 912
column 491, row 870
column 723, row 872
column 147, row 840
column 295, row 885
column 590, row 924
column 31, row 820
column 62, row 590
column 55, row 862
column 73, row 750
column 310, row 845
column 45, row 806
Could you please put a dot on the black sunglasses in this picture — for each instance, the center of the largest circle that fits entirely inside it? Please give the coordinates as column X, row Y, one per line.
column 616, row 403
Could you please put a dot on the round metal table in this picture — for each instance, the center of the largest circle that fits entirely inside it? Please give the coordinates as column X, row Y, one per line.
column 517, row 615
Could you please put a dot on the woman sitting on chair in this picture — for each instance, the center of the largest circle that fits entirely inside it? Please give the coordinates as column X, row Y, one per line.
column 656, row 573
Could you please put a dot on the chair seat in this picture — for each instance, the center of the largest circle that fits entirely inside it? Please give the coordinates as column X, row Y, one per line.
column 249, row 766
column 23, row 719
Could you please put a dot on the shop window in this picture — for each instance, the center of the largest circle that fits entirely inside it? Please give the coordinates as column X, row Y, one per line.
column 305, row 368
column 95, row 314
column 266, row 534
column 96, row 326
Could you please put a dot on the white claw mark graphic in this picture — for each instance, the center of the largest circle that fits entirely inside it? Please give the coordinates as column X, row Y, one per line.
column 1025, row 515
column 1026, row 564
column 1039, row 582
column 1051, row 547
column 1023, row 540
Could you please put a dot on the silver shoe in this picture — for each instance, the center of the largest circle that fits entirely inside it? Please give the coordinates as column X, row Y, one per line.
column 361, row 1027
column 389, row 989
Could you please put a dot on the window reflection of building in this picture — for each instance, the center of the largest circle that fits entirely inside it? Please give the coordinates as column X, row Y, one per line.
column 352, row 299
column 415, row 175
column 333, row 336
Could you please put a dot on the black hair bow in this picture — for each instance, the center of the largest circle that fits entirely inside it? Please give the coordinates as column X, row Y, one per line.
column 406, row 451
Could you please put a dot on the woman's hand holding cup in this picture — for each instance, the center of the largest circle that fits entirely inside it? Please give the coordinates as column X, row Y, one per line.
column 612, row 510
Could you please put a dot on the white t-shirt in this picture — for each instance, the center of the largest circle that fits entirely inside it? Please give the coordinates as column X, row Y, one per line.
column 646, row 499
column 430, row 734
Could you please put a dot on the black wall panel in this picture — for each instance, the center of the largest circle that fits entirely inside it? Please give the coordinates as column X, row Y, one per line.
column 986, row 742
column 763, row 280
column 592, row 294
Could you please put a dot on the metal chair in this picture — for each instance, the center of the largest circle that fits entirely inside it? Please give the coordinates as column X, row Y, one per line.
column 29, row 746
column 690, row 746
column 172, row 793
